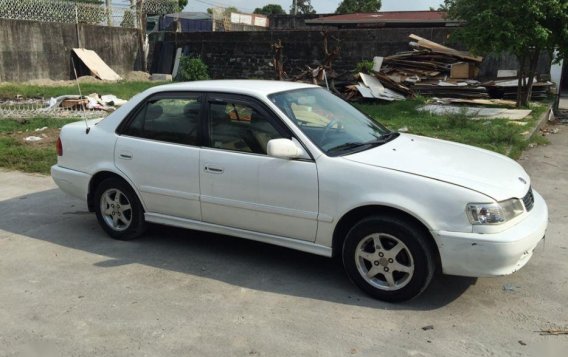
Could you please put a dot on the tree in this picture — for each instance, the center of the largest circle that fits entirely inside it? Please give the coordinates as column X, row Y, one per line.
column 228, row 10
column 270, row 9
column 523, row 28
column 304, row 7
column 182, row 4
column 352, row 6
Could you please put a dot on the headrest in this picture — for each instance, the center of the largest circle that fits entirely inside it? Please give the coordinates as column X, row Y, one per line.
column 154, row 111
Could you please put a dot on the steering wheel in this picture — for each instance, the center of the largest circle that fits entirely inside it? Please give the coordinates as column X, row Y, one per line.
column 326, row 130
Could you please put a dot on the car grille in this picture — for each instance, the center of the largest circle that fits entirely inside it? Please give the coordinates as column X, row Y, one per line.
column 528, row 200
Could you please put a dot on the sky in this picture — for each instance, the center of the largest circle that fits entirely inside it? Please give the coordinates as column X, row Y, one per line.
column 321, row 6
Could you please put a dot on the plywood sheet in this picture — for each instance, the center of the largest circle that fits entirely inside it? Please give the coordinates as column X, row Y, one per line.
column 96, row 65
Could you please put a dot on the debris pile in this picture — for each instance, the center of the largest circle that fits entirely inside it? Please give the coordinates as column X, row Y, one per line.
column 66, row 106
column 107, row 103
column 506, row 88
column 430, row 69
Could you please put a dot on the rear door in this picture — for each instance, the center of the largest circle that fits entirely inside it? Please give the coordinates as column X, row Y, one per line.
column 243, row 187
column 158, row 149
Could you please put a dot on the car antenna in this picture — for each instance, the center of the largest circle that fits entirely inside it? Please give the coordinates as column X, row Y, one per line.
column 87, row 130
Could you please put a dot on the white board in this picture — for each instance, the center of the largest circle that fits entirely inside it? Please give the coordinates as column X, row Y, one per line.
column 96, row 65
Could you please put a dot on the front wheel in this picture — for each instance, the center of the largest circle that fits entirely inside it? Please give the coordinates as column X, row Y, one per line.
column 118, row 210
column 389, row 258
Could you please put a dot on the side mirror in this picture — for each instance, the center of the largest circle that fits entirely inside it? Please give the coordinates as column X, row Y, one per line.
column 284, row 149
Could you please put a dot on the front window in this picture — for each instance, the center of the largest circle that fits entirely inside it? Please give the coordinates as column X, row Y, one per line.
column 332, row 124
column 239, row 127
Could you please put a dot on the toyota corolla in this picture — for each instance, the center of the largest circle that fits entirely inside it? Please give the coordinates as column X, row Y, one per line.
column 293, row 165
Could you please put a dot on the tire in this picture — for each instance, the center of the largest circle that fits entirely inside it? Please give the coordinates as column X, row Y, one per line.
column 389, row 258
column 119, row 210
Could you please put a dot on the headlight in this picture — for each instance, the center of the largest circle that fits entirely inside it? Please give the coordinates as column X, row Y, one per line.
column 494, row 213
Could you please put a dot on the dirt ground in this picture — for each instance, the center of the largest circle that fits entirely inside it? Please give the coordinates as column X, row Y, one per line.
column 66, row 289
column 48, row 137
column 136, row 76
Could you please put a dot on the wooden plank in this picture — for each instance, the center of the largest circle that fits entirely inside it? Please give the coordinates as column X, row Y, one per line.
column 96, row 65
column 436, row 47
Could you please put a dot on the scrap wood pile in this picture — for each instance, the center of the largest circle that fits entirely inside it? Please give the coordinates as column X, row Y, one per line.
column 322, row 72
column 430, row 69
column 506, row 88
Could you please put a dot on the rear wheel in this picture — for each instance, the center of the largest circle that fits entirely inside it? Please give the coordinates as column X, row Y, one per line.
column 118, row 210
column 389, row 258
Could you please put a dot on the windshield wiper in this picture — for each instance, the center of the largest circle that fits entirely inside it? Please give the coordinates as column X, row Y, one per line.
column 385, row 138
column 349, row 146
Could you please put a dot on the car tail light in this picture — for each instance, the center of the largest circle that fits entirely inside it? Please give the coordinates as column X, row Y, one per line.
column 59, row 147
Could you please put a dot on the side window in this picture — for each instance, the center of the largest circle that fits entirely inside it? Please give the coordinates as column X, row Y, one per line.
column 239, row 127
column 175, row 120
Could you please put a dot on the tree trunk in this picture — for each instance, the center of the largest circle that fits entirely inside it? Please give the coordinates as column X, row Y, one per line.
column 533, row 62
column 520, row 76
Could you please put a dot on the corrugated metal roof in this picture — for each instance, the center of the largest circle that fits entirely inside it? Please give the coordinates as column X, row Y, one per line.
column 383, row 17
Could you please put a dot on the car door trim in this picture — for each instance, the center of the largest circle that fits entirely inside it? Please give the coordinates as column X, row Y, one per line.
column 170, row 193
column 301, row 245
column 290, row 212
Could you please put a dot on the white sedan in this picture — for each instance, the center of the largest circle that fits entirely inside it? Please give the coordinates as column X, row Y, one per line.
column 293, row 165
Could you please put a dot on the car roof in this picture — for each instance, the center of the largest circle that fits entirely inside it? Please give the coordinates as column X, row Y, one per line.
column 258, row 88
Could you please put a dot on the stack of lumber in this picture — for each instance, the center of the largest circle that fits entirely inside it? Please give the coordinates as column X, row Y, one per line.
column 432, row 69
column 429, row 69
column 506, row 88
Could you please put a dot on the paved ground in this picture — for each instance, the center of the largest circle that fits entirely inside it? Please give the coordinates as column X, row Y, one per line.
column 67, row 289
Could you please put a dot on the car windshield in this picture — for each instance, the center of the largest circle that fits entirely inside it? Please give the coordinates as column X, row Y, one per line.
column 332, row 124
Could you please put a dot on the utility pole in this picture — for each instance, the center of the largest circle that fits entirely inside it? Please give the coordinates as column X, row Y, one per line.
column 295, row 7
column 108, row 4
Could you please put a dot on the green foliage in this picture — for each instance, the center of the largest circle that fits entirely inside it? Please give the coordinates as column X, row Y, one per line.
column 523, row 28
column 229, row 10
column 304, row 7
column 270, row 9
column 182, row 4
column 123, row 89
column 353, row 6
column 192, row 69
column 364, row 66
column 497, row 135
column 17, row 155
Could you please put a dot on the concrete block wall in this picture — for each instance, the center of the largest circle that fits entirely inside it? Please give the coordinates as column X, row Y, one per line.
column 248, row 54
column 42, row 50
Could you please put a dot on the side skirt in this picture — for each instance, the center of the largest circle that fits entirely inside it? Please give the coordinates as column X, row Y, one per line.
column 304, row 246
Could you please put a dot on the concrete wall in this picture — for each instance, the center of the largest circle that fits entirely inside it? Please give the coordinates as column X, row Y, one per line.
column 37, row 50
column 248, row 54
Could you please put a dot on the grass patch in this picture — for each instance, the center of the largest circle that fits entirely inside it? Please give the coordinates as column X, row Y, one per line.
column 498, row 135
column 17, row 154
column 124, row 90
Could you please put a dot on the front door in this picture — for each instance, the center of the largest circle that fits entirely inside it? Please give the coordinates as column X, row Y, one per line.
column 241, row 186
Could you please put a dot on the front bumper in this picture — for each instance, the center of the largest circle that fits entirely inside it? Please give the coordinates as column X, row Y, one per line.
column 479, row 255
column 74, row 183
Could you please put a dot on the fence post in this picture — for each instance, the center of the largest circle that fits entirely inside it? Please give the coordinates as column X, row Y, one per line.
column 77, row 25
column 108, row 4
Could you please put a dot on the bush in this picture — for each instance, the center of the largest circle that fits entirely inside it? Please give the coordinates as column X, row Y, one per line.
column 364, row 66
column 192, row 69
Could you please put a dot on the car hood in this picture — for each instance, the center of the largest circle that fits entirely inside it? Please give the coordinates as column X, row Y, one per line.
column 480, row 170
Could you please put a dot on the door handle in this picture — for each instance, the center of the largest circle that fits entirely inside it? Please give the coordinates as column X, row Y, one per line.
column 125, row 155
column 213, row 170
